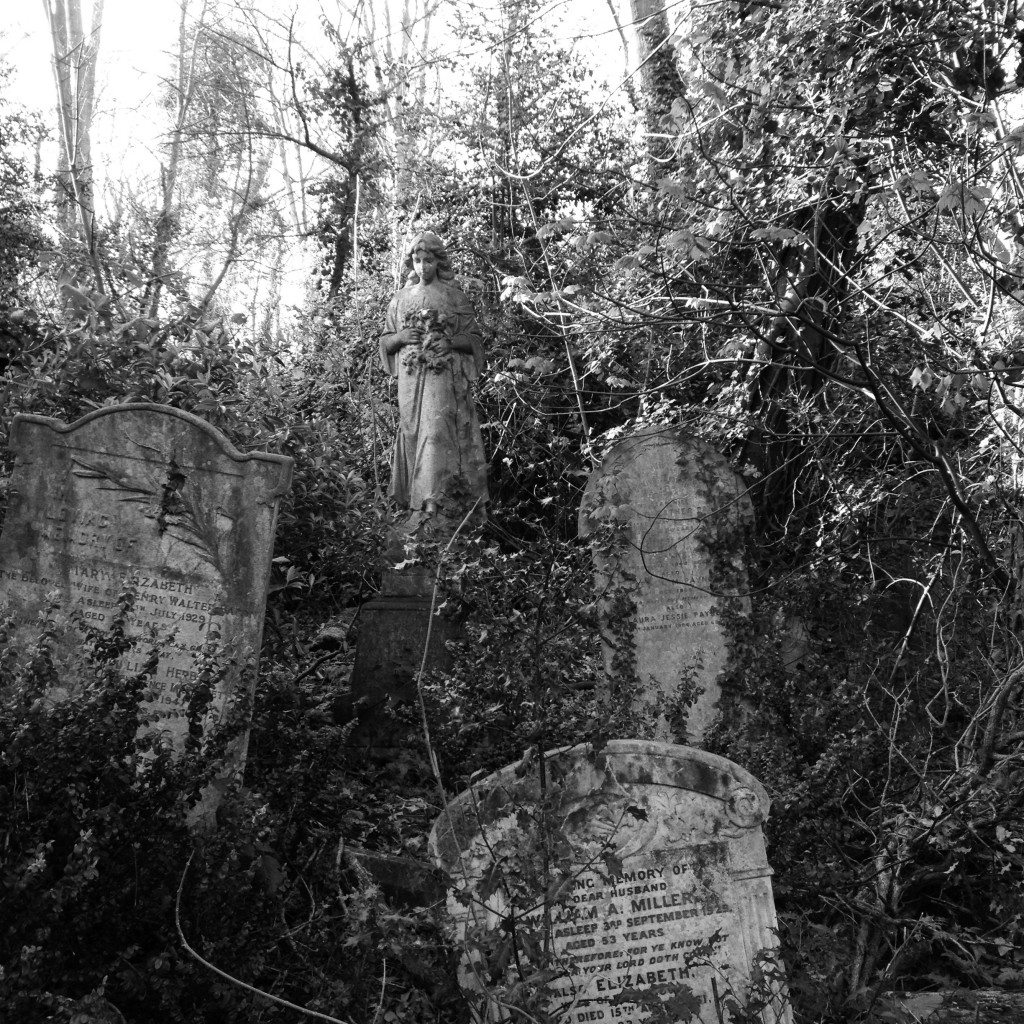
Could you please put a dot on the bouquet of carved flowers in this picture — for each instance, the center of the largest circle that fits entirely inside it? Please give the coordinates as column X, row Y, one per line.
column 437, row 329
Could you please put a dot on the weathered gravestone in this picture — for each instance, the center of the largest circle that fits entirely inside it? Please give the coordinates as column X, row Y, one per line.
column 157, row 498
column 666, row 563
column 656, row 875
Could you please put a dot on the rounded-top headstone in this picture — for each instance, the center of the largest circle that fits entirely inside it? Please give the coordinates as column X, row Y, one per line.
column 639, row 868
column 667, row 516
column 150, row 499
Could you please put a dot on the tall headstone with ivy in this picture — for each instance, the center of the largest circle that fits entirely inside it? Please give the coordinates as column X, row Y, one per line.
column 144, row 521
column 668, row 517
column 627, row 883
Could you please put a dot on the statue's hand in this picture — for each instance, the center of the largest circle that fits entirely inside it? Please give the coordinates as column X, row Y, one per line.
column 436, row 343
column 410, row 336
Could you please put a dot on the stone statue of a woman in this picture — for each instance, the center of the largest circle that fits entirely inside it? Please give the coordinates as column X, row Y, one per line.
column 432, row 345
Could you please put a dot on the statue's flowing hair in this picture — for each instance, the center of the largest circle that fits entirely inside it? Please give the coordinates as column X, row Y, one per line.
column 433, row 244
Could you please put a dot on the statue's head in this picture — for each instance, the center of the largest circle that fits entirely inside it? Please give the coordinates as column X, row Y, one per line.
column 433, row 244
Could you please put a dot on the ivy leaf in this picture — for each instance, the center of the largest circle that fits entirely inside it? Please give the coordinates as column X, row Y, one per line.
column 1014, row 140
column 999, row 250
column 612, row 864
column 715, row 92
column 670, row 187
column 491, row 882
column 697, row 247
column 921, row 183
column 922, row 378
column 679, row 239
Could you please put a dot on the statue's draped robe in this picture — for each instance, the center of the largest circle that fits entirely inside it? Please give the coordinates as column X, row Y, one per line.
column 439, row 453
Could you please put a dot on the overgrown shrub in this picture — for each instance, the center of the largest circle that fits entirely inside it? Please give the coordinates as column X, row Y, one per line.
column 98, row 849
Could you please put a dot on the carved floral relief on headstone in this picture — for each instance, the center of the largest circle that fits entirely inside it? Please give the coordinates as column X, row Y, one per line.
column 656, row 883
column 156, row 498
column 667, row 516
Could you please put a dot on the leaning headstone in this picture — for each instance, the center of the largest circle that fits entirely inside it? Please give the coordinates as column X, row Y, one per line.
column 667, row 516
column 641, row 870
column 153, row 499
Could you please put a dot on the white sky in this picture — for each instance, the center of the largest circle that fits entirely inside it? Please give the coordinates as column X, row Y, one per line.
column 138, row 38
column 137, row 49
column 137, row 45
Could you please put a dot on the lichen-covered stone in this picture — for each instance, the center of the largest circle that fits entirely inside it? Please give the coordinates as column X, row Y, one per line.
column 153, row 498
column 667, row 516
column 654, row 877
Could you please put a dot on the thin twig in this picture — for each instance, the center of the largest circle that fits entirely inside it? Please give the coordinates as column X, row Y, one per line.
column 227, row 977
column 383, row 983
column 434, row 766
column 316, row 664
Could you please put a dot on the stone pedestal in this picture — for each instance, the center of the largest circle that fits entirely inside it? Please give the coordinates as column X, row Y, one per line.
column 392, row 635
column 393, row 632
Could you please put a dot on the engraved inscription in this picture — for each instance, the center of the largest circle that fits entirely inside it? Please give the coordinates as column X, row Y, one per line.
column 151, row 498
column 646, row 926
column 680, row 612
column 180, row 612
column 680, row 905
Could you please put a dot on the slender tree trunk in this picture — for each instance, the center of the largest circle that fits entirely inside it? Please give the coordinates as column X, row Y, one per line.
column 167, row 221
column 74, row 64
column 400, row 48
column 343, row 239
column 628, row 83
column 659, row 75
column 810, row 289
